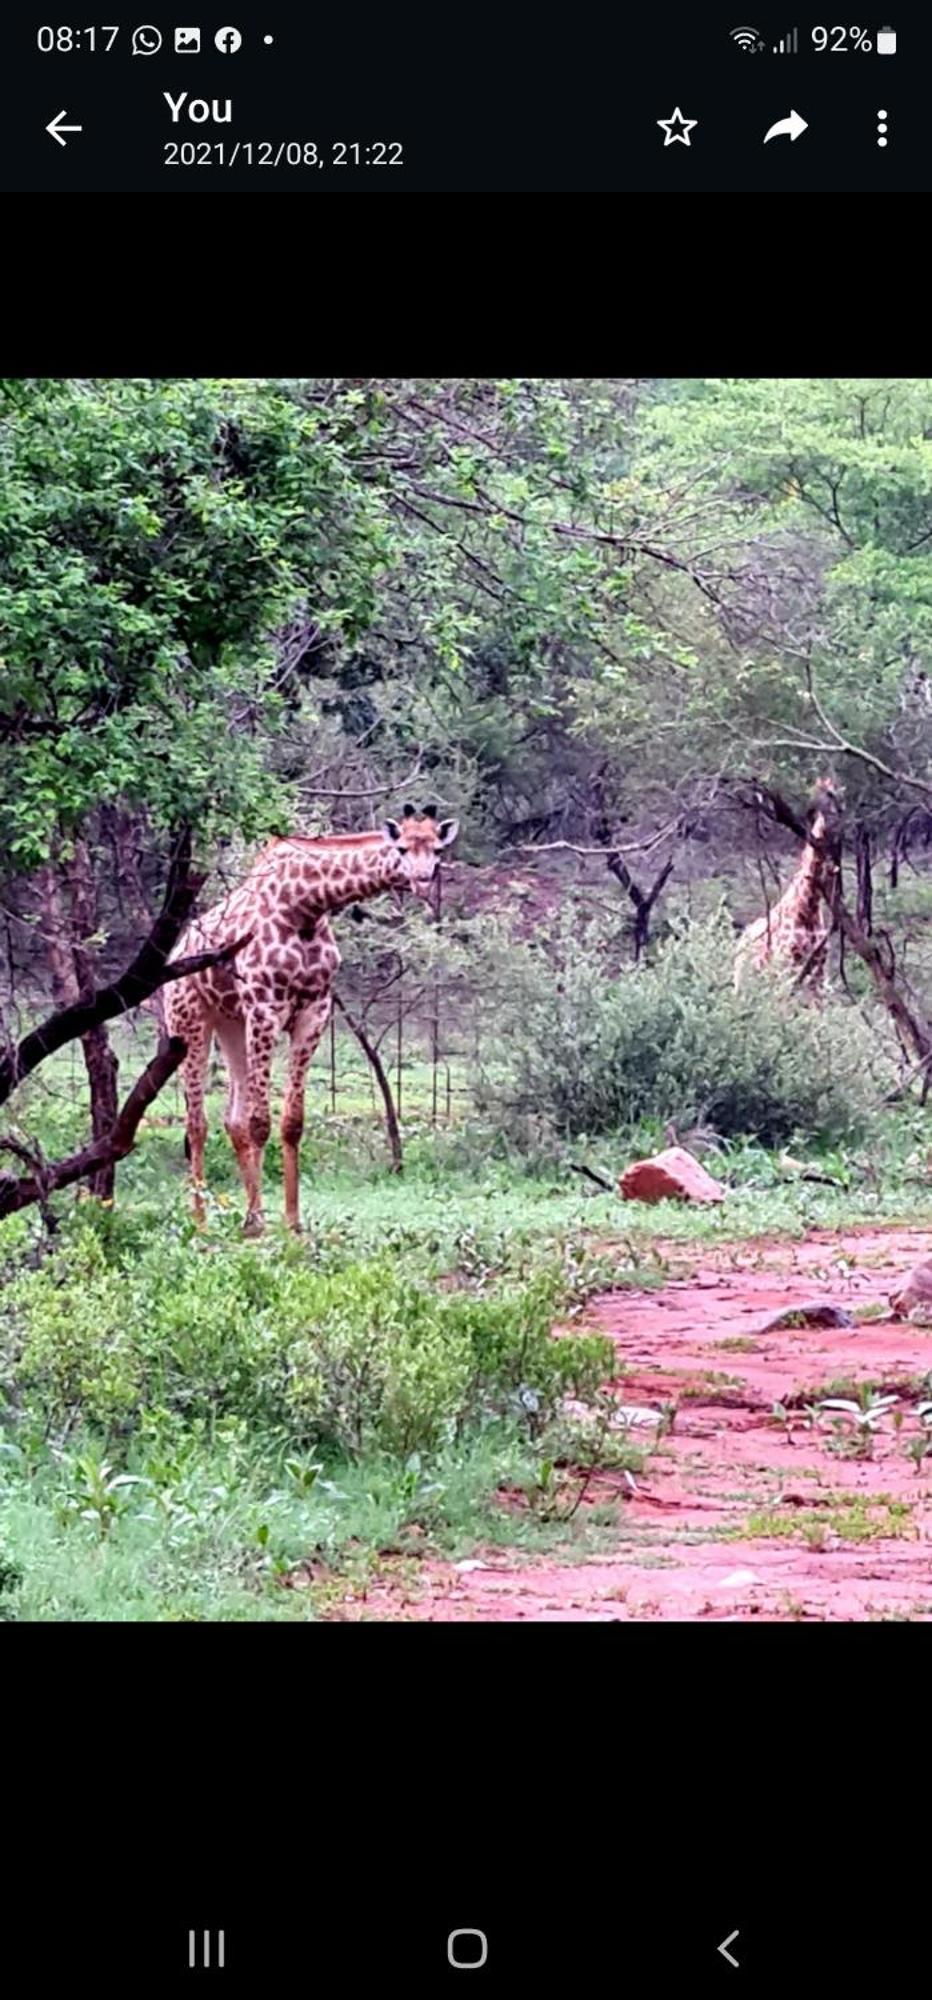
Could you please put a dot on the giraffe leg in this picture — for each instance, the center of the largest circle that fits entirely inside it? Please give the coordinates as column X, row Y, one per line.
column 197, row 1033
column 305, row 1035
column 262, row 1027
column 231, row 1034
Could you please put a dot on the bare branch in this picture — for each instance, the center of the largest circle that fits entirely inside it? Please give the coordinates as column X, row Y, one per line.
column 630, row 847
column 112, row 1146
column 839, row 742
column 372, row 791
column 149, row 970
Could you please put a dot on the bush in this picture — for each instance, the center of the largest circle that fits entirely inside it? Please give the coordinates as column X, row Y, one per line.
column 595, row 1050
column 360, row 1358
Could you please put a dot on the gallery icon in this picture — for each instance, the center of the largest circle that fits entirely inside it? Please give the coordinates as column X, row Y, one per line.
column 187, row 41
column 677, row 127
column 228, row 40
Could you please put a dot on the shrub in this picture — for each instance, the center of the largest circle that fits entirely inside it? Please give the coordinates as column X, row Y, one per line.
column 350, row 1360
column 597, row 1050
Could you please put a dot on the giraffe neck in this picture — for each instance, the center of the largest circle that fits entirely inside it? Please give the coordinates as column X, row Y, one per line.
column 307, row 884
column 813, row 877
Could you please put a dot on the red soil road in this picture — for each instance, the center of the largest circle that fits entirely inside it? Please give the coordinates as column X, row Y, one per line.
column 683, row 1550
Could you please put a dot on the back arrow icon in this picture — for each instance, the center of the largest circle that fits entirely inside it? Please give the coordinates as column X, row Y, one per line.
column 794, row 125
column 57, row 128
column 723, row 1948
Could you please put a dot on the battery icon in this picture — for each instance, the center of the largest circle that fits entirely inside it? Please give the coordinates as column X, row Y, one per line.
column 886, row 42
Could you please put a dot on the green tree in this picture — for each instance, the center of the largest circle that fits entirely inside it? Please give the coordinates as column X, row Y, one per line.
column 154, row 536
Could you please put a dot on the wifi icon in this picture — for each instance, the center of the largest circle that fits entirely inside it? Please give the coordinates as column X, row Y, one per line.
column 748, row 39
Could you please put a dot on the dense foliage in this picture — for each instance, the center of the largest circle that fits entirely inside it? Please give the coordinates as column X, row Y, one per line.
column 594, row 1050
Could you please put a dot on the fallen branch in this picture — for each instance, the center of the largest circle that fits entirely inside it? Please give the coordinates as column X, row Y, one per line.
column 591, row 1175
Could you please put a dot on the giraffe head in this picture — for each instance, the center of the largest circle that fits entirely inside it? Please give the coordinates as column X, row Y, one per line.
column 418, row 842
column 826, row 806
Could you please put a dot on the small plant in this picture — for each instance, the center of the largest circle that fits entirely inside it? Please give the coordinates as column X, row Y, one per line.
column 543, row 1489
column 856, row 1423
column 303, row 1473
column 920, row 1448
column 817, row 1536
column 417, row 1489
column 99, row 1494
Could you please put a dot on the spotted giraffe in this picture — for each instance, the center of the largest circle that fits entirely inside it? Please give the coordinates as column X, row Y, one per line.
column 795, row 932
column 280, row 981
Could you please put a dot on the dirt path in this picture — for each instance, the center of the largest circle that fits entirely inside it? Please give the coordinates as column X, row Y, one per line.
column 735, row 1516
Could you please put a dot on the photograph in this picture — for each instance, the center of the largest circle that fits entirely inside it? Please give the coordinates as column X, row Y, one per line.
column 465, row 1002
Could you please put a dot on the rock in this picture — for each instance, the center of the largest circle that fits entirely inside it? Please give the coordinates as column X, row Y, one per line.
column 670, row 1176
column 916, row 1290
column 819, row 1314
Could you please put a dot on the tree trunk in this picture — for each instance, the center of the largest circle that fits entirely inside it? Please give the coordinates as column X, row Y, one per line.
column 862, row 859
column 126, row 833
column 100, row 1060
column 914, row 1030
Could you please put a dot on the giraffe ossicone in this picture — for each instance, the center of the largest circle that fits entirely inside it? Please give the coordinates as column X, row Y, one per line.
column 280, row 981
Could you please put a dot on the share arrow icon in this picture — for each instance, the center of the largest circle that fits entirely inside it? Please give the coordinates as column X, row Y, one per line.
column 57, row 128
column 790, row 127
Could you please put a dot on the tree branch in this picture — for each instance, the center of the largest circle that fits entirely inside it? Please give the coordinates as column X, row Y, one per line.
column 371, row 1050
column 112, row 1146
column 841, row 743
column 372, row 792
column 146, row 972
column 631, row 847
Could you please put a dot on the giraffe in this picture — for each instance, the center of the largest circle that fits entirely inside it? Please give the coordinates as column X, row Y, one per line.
column 795, row 932
column 280, row 981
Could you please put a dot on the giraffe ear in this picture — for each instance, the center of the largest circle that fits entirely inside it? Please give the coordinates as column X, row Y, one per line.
column 392, row 829
column 447, row 832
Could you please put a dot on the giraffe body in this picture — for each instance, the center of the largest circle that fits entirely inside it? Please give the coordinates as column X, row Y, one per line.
column 796, row 931
column 280, row 982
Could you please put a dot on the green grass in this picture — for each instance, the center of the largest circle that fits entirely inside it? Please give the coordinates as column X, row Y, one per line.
column 216, row 1541
column 852, row 1520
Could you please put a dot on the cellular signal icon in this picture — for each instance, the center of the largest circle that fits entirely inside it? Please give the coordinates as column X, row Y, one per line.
column 788, row 45
column 748, row 39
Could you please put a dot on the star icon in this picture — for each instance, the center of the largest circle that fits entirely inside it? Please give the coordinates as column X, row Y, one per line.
column 677, row 127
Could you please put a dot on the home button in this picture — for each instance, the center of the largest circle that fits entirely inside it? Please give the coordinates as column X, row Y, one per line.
column 467, row 1950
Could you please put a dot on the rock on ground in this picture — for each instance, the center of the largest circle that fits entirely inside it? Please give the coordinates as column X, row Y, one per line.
column 673, row 1175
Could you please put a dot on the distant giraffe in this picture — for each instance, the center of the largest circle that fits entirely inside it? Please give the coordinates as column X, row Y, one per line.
column 795, row 932
column 280, row 981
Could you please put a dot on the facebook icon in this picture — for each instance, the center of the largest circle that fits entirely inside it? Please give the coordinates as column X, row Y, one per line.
column 228, row 40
